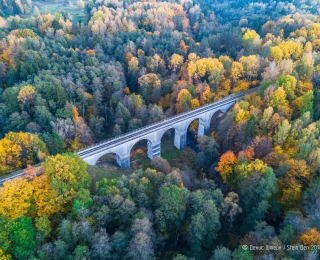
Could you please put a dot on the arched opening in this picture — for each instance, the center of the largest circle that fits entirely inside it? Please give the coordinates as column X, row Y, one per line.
column 215, row 119
column 168, row 150
column 192, row 134
column 203, row 126
column 139, row 155
column 109, row 159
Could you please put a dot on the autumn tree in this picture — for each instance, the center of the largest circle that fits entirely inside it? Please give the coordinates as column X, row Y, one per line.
column 183, row 101
column 288, row 83
column 310, row 237
column 226, row 165
column 68, row 176
column 251, row 41
column 276, row 54
column 282, row 133
column 26, row 96
column 250, row 65
column 149, row 87
column 236, row 71
column 176, row 61
column 10, row 154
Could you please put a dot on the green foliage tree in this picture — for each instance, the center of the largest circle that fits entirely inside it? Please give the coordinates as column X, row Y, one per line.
column 289, row 85
column 250, row 130
column 21, row 234
column 170, row 209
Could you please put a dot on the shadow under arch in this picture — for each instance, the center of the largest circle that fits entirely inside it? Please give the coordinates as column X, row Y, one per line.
column 167, row 142
column 110, row 158
column 140, row 152
column 193, row 133
column 204, row 125
column 216, row 117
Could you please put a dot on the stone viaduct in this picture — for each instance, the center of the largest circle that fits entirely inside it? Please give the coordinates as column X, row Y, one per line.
column 122, row 145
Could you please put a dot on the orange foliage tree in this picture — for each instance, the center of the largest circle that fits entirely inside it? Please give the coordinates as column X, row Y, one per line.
column 226, row 165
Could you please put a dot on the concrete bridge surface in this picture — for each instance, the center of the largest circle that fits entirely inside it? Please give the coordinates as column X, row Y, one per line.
column 122, row 145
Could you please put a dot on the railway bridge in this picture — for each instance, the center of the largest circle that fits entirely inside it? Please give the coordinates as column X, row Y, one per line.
column 122, row 145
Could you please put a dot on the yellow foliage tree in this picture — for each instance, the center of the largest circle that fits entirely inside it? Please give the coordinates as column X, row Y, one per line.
column 176, row 61
column 205, row 66
column 241, row 86
column 246, row 169
column 34, row 148
column 236, row 71
column 9, row 156
column 207, row 96
column 192, row 57
column 75, row 115
column 4, row 256
column 251, row 65
column 315, row 30
column 194, row 126
column 278, row 98
column 20, row 197
column 276, row 54
column 290, row 193
column 242, row 115
column 250, row 35
column 291, row 49
column 16, row 198
column 316, row 44
column 44, row 197
column 195, row 103
column 68, row 174
column 224, row 86
column 310, row 237
column 304, row 87
column 7, row 57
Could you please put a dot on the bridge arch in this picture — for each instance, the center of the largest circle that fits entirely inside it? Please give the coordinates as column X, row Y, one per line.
column 95, row 158
column 137, row 141
column 153, row 146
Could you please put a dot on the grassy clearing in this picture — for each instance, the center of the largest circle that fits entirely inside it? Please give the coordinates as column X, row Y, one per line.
column 56, row 7
column 99, row 172
column 177, row 158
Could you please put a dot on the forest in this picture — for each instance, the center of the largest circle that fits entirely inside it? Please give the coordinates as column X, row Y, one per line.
column 67, row 83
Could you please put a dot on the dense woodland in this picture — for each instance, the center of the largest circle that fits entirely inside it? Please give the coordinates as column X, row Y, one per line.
column 65, row 85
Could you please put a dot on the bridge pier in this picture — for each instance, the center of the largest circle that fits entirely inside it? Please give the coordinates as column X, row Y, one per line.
column 204, row 126
column 180, row 138
column 123, row 161
column 154, row 150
